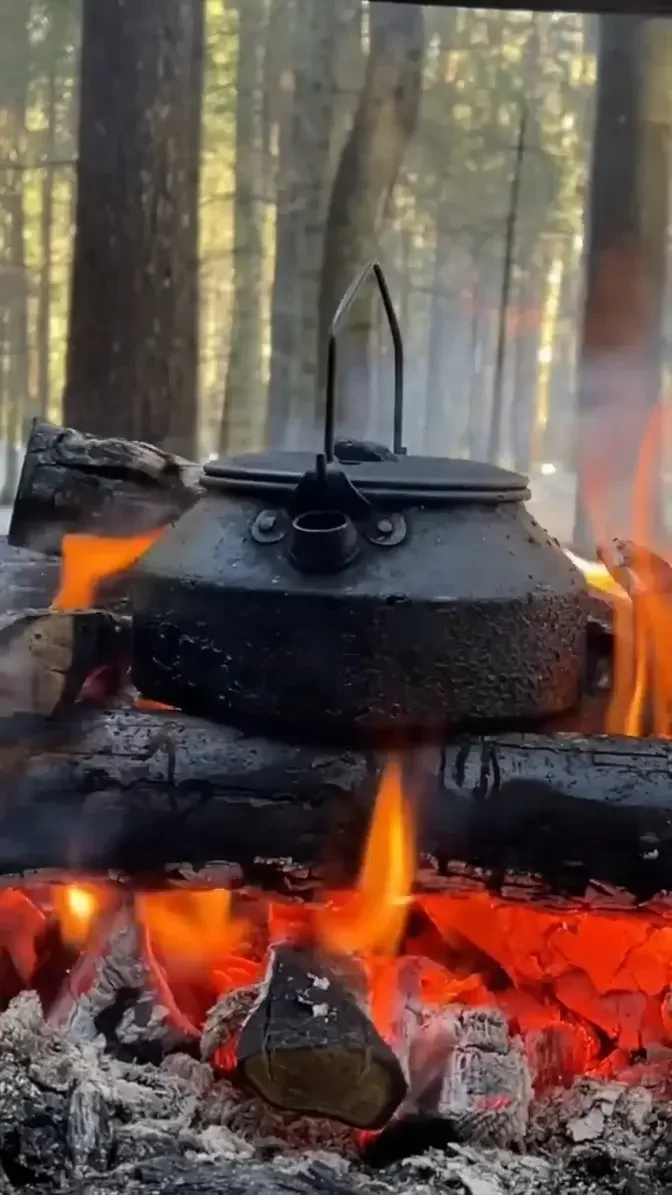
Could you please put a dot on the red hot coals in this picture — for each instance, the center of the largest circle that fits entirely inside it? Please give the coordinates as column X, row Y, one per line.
column 367, row 1006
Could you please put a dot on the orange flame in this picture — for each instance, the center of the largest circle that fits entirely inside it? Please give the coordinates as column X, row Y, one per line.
column 87, row 560
column 598, row 576
column 371, row 919
column 641, row 701
column 193, row 929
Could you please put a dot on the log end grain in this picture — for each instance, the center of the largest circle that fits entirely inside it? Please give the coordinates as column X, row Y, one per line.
column 310, row 1047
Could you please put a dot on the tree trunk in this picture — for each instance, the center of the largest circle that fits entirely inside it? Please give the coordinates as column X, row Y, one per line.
column 525, row 360
column 444, row 399
column 481, row 342
column 283, row 294
column 620, row 365
column 440, row 417
column 302, row 203
column 242, row 418
column 18, row 404
column 133, row 345
column 17, row 394
column 43, row 330
column 183, row 436
column 367, row 172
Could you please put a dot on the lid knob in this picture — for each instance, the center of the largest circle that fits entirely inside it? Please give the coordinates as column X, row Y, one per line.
column 322, row 541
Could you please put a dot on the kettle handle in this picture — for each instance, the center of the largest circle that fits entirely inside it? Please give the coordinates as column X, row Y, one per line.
column 342, row 311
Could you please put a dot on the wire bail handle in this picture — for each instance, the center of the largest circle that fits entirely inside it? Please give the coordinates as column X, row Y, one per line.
column 343, row 310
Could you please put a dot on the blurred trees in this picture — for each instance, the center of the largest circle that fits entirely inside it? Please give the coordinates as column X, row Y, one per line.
column 331, row 130
column 626, row 268
column 132, row 362
column 384, row 121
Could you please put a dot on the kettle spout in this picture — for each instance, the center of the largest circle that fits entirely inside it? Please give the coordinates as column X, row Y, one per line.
column 322, row 541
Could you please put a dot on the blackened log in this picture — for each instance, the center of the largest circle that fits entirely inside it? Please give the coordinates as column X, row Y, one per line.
column 135, row 791
column 75, row 483
column 309, row 1045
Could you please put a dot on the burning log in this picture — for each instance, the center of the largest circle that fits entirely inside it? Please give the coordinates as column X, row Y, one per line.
column 75, row 483
column 223, row 1024
column 309, row 1046
column 117, row 989
column 469, row 1080
column 49, row 659
column 141, row 792
column 485, row 1088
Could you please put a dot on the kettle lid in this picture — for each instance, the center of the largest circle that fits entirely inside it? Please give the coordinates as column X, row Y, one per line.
column 395, row 478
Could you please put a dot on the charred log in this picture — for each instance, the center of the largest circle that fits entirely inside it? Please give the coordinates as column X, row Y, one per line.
column 309, row 1045
column 117, row 990
column 142, row 792
column 75, row 483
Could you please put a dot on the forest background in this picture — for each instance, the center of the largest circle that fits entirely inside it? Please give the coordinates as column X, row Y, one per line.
column 187, row 189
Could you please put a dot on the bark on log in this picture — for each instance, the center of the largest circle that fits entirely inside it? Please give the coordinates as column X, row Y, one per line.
column 72, row 482
column 134, row 791
column 308, row 1045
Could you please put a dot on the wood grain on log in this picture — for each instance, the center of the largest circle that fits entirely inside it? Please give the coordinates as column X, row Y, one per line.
column 28, row 580
column 309, row 1045
column 71, row 482
column 46, row 656
column 135, row 791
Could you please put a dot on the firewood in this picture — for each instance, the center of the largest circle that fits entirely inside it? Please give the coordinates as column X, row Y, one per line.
column 468, row 1078
column 47, row 656
column 30, row 581
column 27, row 579
column 71, row 482
column 637, row 569
column 309, row 1045
column 223, row 1024
column 486, row 1086
column 151, row 793
column 118, row 991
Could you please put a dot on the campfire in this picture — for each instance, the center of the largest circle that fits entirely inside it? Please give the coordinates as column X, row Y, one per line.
column 296, row 964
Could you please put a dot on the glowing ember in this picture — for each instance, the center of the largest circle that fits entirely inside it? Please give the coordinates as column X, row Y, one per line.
column 78, row 906
column 88, row 560
column 589, row 991
column 146, row 704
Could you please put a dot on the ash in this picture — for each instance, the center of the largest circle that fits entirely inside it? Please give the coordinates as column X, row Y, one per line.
column 77, row 1120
